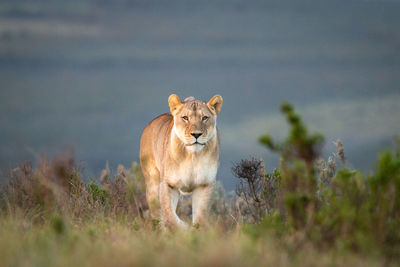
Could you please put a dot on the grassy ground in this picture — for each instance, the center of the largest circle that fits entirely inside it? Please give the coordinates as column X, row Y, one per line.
column 111, row 242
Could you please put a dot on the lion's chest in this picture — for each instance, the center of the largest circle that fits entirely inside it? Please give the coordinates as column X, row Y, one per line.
column 192, row 173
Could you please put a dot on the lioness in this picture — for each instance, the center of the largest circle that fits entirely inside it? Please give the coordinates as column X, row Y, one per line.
column 179, row 152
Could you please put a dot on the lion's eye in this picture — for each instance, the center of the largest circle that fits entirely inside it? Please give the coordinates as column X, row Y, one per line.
column 204, row 118
column 185, row 118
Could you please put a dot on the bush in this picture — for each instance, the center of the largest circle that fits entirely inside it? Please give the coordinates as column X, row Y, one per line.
column 56, row 187
column 343, row 209
column 256, row 191
column 53, row 186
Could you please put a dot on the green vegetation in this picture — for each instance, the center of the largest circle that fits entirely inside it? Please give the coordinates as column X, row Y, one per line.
column 307, row 213
column 346, row 211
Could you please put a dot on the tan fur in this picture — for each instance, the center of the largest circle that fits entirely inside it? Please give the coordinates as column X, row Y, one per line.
column 173, row 163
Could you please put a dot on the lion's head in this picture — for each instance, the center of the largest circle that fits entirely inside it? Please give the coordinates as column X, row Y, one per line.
column 195, row 120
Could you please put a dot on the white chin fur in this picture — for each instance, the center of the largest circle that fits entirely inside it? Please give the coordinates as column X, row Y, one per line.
column 195, row 148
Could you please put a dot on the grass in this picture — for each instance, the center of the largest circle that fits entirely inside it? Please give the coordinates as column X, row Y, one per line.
column 307, row 213
column 110, row 242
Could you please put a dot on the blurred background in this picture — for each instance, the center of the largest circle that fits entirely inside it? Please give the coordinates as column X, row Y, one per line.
column 92, row 73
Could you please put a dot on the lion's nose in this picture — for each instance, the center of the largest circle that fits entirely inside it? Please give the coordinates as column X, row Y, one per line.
column 196, row 135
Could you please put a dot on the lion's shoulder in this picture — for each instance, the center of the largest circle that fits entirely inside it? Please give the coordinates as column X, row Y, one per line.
column 163, row 118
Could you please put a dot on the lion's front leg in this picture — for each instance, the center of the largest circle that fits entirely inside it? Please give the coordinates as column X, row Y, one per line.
column 200, row 200
column 169, row 200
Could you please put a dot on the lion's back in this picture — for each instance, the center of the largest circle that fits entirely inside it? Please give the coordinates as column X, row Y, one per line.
column 152, row 141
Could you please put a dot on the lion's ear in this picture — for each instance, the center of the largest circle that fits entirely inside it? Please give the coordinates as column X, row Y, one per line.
column 174, row 102
column 215, row 103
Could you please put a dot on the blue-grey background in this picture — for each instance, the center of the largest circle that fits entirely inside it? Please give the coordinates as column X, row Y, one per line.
column 92, row 73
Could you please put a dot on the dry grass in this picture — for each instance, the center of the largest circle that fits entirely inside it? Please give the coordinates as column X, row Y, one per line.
column 105, row 242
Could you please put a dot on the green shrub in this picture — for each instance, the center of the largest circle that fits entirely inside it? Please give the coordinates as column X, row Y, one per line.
column 97, row 193
column 343, row 209
column 298, row 198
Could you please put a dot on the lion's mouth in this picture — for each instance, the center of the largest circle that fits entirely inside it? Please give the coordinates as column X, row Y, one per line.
column 196, row 143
